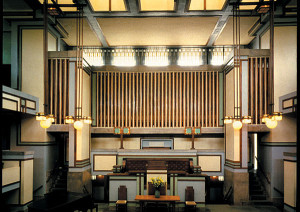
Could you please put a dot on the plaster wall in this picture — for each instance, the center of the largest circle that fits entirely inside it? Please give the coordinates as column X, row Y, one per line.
column 32, row 81
column 232, row 138
column 43, row 162
column 285, row 60
column 271, row 158
column 83, row 135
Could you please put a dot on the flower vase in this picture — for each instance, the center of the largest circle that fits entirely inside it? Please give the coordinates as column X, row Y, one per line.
column 157, row 193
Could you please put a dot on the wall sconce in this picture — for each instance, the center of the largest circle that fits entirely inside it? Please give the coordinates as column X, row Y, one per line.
column 45, row 120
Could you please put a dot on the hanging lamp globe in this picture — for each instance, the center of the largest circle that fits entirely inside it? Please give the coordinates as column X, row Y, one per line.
column 271, row 123
column 78, row 125
column 237, row 125
column 46, row 123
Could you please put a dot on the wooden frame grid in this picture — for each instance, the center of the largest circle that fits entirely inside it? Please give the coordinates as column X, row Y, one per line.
column 157, row 99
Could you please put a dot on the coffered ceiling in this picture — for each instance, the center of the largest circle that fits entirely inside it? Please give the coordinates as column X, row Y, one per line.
column 154, row 22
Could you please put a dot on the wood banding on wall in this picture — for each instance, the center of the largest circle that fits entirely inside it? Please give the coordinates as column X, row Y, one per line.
column 58, row 88
column 258, row 85
column 157, row 99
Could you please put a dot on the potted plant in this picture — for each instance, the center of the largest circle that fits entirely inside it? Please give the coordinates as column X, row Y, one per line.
column 157, row 183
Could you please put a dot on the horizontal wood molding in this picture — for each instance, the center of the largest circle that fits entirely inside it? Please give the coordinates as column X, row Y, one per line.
column 179, row 131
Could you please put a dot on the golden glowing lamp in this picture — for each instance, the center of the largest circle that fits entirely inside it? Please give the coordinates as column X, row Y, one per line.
column 277, row 116
column 40, row 116
column 45, row 123
column 246, row 119
column 227, row 119
column 87, row 120
column 78, row 125
column 271, row 123
column 237, row 125
column 265, row 118
column 69, row 120
column 51, row 118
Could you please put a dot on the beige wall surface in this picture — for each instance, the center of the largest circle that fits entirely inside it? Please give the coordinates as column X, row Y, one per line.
column 52, row 42
column 232, row 136
column 200, row 143
column 265, row 40
column 26, row 181
column 285, row 60
column 83, row 135
column 104, row 162
column 83, row 143
column 86, row 100
column 290, row 180
column 210, row 163
column 114, row 143
column 33, row 64
column 286, row 131
column 31, row 131
column 7, row 164
column 10, row 175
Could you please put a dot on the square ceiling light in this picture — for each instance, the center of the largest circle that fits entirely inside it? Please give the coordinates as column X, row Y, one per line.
column 64, row 9
column 206, row 5
column 108, row 5
column 157, row 5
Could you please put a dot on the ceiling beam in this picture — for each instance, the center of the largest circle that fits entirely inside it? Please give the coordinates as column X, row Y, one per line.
column 221, row 23
column 156, row 14
column 92, row 21
column 133, row 7
column 181, row 4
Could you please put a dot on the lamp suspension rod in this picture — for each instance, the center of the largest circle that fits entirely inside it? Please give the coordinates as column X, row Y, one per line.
column 81, row 62
column 271, row 63
column 46, row 75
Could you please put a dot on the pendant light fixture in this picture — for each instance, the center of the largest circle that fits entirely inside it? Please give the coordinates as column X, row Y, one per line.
column 271, row 118
column 78, row 120
column 237, row 120
column 45, row 118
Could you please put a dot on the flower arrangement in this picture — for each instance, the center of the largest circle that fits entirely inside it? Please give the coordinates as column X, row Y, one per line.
column 157, row 182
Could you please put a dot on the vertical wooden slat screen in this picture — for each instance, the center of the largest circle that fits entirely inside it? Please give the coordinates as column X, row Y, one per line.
column 157, row 99
column 258, row 84
column 58, row 89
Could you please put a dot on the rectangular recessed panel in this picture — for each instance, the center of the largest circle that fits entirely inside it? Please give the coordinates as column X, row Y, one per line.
column 104, row 162
column 157, row 5
column 160, row 31
column 10, row 104
column 108, row 5
column 287, row 103
column 210, row 163
column 247, row 7
column 206, row 5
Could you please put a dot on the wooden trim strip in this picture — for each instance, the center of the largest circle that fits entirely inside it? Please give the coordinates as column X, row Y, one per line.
column 104, row 101
column 126, row 100
column 133, row 100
